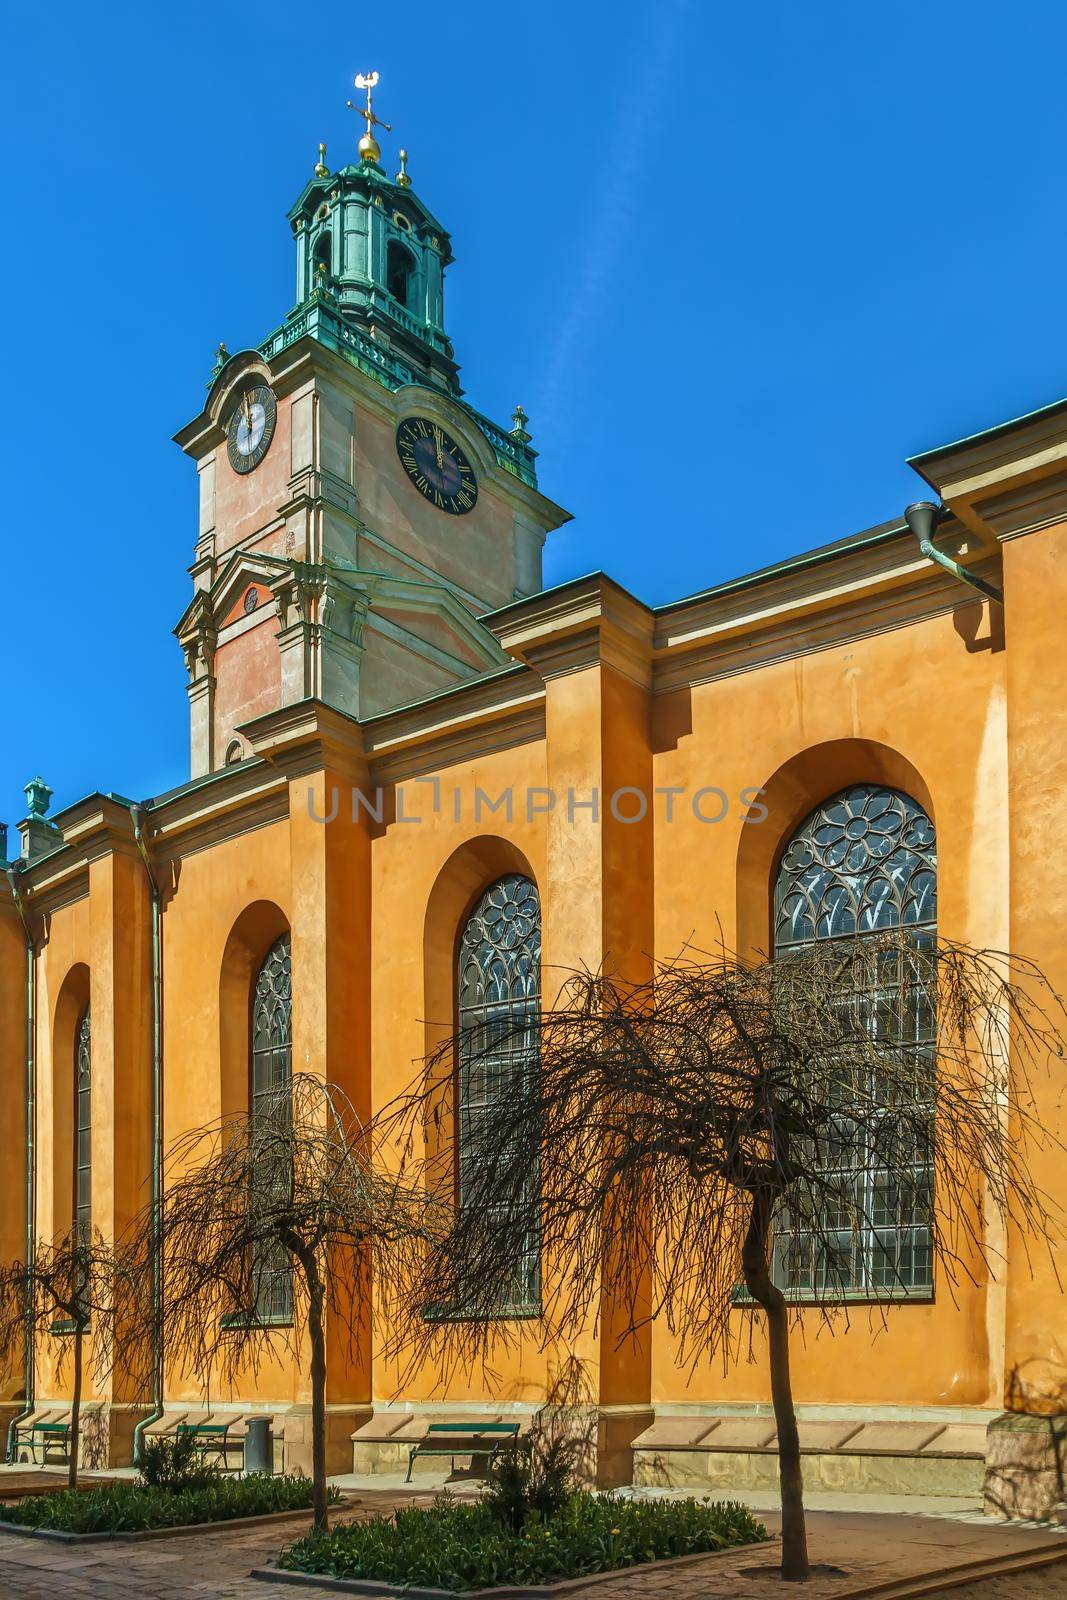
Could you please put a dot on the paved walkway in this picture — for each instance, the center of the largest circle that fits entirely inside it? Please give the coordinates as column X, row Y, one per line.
column 1048, row 1585
column 869, row 1546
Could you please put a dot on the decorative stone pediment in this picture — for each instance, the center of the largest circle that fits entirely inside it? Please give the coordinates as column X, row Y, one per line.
column 363, row 642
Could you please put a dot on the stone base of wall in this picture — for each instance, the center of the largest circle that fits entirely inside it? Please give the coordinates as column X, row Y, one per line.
column 117, row 1440
column 1026, row 1467
column 615, row 1458
column 341, row 1423
column 8, row 1412
column 381, row 1458
column 840, row 1473
column 106, row 1432
column 604, row 1440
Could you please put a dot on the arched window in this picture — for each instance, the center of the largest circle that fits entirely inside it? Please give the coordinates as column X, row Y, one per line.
column 498, row 987
column 83, row 1134
column 400, row 273
column 272, row 1069
column 863, row 862
column 322, row 254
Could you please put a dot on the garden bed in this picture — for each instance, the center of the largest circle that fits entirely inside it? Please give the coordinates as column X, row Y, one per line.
column 130, row 1510
column 450, row 1549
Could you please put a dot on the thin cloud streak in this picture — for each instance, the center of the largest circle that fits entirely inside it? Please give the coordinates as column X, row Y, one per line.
column 613, row 219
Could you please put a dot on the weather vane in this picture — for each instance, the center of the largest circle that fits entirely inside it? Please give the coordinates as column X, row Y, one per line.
column 368, row 145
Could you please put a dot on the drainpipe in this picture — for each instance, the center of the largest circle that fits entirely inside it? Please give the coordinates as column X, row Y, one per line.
column 12, row 872
column 922, row 518
column 157, row 1140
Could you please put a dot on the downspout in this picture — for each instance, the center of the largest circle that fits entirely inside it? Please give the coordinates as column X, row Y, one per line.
column 922, row 518
column 12, row 872
column 157, row 1140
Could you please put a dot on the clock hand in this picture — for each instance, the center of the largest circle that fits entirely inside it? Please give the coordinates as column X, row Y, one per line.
column 438, row 446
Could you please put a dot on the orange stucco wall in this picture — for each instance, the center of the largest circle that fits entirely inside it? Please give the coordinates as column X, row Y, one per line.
column 799, row 731
column 1036, row 1330
column 941, row 707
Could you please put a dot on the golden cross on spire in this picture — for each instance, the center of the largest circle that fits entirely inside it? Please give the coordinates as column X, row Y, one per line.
column 368, row 145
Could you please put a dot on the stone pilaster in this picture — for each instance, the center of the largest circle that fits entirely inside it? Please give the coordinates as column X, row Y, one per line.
column 320, row 638
column 198, row 639
column 329, row 839
column 591, row 643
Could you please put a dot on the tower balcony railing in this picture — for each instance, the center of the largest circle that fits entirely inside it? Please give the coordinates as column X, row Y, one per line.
column 317, row 319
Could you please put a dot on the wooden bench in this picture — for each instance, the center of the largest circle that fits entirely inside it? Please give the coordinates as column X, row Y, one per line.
column 463, row 1439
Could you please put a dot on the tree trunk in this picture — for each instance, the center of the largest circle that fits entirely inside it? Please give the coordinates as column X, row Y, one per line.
column 759, row 1285
column 305, row 1255
column 75, row 1408
column 318, row 1404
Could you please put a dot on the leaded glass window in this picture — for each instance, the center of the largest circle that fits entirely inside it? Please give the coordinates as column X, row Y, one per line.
column 272, row 1069
column 83, row 1138
column 499, row 1000
column 864, row 862
column 83, row 1132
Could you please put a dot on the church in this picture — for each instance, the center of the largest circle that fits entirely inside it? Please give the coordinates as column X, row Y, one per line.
column 411, row 763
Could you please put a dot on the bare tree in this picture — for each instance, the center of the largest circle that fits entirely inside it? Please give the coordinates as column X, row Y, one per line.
column 270, row 1224
column 731, row 1135
column 68, row 1289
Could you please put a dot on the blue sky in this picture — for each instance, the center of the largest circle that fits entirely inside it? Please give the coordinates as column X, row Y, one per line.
column 737, row 262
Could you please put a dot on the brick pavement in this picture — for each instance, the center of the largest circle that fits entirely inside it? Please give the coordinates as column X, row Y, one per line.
column 870, row 1548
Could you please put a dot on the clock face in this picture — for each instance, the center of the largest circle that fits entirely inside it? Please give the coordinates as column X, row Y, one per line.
column 436, row 465
column 251, row 428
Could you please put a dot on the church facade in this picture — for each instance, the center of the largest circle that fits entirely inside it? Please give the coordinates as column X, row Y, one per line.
column 408, row 760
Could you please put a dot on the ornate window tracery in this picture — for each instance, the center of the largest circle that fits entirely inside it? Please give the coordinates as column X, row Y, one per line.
column 863, row 862
column 83, row 1130
column 83, row 1141
column 498, row 986
column 272, row 1069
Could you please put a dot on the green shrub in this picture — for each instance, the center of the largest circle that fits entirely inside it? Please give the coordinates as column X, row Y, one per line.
column 531, row 1477
column 130, row 1507
column 176, row 1463
column 452, row 1546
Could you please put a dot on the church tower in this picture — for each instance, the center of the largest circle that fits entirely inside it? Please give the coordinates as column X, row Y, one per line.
column 357, row 515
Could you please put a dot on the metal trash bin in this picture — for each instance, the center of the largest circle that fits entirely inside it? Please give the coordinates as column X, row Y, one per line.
column 259, row 1445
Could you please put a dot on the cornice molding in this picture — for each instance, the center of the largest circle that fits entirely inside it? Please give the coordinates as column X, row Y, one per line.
column 794, row 594
column 1008, row 481
column 862, row 615
column 62, row 880
column 234, row 800
column 592, row 621
column 471, row 719
column 307, row 737
column 97, row 826
column 91, row 829
column 1026, row 507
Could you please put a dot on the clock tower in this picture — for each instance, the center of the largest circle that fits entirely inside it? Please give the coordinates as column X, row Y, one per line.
column 357, row 515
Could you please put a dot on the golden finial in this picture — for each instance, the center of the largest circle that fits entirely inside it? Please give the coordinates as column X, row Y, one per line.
column 368, row 146
column 518, row 425
column 402, row 180
column 321, row 169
